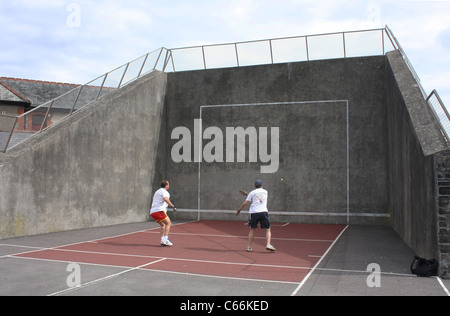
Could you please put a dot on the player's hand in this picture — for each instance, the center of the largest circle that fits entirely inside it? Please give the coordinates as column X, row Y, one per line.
column 237, row 212
column 174, row 209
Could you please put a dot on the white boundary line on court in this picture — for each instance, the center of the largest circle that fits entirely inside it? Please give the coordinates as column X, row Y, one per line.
column 55, row 248
column 141, row 267
column 346, row 102
column 198, row 260
column 160, row 259
column 19, row 246
column 103, row 279
column 318, row 263
column 86, row 241
column 60, row 248
column 221, row 277
column 167, row 258
column 443, row 286
column 246, row 237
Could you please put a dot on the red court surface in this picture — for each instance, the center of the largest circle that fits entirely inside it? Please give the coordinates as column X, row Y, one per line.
column 208, row 248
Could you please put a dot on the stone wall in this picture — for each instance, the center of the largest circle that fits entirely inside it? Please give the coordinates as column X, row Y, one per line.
column 443, row 217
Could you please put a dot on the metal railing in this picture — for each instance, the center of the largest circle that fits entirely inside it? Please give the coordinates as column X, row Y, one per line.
column 281, row 50
column 434, row 100
column 441, row 114
column 14, row 130
column 406, row 59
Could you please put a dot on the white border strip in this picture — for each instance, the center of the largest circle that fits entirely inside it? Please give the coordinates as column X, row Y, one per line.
column 387, row 215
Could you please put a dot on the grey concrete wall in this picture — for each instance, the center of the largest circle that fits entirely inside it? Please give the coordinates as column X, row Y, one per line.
column 94, row 169
column 443, row 214
column 314, row 177
column 414, row 137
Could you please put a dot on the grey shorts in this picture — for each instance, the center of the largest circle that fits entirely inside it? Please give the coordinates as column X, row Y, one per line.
column 262, row 218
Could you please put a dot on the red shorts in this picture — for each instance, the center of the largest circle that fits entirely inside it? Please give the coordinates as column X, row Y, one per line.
column 159, row 216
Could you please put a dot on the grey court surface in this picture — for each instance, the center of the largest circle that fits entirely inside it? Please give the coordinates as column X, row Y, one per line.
column 343, row 270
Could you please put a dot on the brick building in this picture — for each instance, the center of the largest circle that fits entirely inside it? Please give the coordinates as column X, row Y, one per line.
column 18, row 96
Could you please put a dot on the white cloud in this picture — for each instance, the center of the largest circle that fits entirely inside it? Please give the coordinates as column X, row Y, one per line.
column 120, row 18
column 239, row 11
column 37, row 42
column 40, row 4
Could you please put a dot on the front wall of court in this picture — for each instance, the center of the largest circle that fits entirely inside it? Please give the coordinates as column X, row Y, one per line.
column 332, row 156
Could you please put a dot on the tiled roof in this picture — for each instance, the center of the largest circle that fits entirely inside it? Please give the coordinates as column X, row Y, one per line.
column 34, row 91
column 38, row 93
column 8, row 94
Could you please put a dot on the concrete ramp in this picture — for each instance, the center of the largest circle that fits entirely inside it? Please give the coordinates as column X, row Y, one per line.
column 94, row 169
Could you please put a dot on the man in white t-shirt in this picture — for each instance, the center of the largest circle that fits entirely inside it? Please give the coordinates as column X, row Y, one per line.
column 161, row 200
column 258, row 214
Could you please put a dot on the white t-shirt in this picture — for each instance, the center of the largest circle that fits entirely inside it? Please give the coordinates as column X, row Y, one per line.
column 258, row 198
column 159, row 205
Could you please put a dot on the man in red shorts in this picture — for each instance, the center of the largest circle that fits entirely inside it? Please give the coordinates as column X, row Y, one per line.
column 161, row 200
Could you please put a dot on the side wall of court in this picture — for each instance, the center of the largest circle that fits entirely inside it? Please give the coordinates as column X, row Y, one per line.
column 94, row 169
column 415, row 146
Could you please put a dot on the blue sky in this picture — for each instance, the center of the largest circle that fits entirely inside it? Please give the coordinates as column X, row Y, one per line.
column 77, row 40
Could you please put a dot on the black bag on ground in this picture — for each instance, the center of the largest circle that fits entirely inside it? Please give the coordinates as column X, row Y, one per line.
column 423, row 267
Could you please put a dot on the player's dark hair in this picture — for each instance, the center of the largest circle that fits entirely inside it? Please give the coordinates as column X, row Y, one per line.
column 164, row 183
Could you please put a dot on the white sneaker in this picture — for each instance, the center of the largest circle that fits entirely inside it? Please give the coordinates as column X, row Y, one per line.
column 270, row 247
column 166, row 243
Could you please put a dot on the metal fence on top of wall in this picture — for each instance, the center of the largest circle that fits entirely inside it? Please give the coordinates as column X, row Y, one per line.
column 373, row 42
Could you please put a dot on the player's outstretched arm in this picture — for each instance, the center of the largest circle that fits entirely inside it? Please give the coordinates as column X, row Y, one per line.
column 242, row 206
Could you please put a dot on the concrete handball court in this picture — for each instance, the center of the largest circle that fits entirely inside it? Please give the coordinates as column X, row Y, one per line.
column 360, row 150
